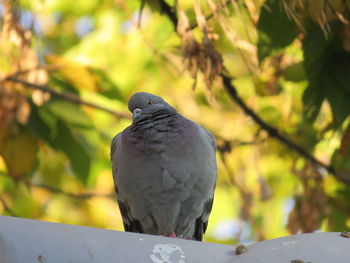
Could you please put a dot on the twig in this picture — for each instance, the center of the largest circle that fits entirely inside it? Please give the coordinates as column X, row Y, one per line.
column 227, row 146
column 25, row 71
column 67, row 96
column 60, row 191
column 7, row 208
column 208, row 17
column 166, row 9
column 73, row 195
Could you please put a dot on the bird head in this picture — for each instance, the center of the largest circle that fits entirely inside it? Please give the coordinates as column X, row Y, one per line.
column 146, row 103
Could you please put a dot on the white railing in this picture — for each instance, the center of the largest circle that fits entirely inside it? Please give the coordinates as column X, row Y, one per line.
column 24, row 240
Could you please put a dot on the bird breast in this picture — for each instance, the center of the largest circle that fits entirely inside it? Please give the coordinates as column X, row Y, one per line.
column 156, row 136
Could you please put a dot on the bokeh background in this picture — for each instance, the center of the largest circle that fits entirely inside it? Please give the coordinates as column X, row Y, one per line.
column 270, row 79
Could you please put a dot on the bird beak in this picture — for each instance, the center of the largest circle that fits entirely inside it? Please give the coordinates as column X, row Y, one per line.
column 136, row 114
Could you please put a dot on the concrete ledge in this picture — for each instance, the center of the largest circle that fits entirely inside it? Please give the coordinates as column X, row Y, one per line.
column 24, row 240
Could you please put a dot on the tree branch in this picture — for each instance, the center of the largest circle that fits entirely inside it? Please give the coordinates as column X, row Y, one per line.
column 67, row 96
column 69, row 194
column 166, row 9
column 272, row 131
column 25, row 71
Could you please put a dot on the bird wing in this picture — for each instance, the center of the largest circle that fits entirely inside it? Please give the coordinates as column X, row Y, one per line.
column 202, row 221
column 130, row 224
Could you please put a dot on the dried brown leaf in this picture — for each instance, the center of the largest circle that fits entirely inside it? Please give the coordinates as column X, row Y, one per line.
column 240, row 249
column 321, row 12
column 310, row 206
column 190, row 48
column 21, row 61
column 345, row 234
column 212, row 63
column 197, row 56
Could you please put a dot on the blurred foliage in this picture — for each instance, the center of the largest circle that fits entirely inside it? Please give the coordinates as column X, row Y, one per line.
column 289, row 61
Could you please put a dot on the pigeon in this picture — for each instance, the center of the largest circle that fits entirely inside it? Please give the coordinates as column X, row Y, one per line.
column 164, row 170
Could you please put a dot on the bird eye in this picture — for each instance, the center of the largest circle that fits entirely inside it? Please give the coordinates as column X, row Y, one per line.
column 150, row 102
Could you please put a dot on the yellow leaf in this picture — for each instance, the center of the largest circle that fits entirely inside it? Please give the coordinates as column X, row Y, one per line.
column 19, row 151
column 76, row 74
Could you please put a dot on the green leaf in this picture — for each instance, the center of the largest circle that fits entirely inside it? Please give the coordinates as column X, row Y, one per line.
column 69, row 112
column 314, row 49
column 337, row 96
column 58, row 83
column 337, row 219
column 269, row 87
column 306, row 135
column 105, row 85
column 313, row 97
column 276, row 29
column 341, row 163
column 271, row 114
column 339, row 68
column 327, row 67
column 344, row 192
column 63, row 125
column 295, row 72
column 25, row 205
column 79, row 159
column 38, row 125
column 326, row 87
column 341, row 157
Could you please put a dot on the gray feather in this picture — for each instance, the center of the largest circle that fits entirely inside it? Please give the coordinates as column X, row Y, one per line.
column 164, row 170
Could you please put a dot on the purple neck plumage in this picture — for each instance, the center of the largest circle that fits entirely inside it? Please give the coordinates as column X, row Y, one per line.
column 151, row 131
column 159, row 119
